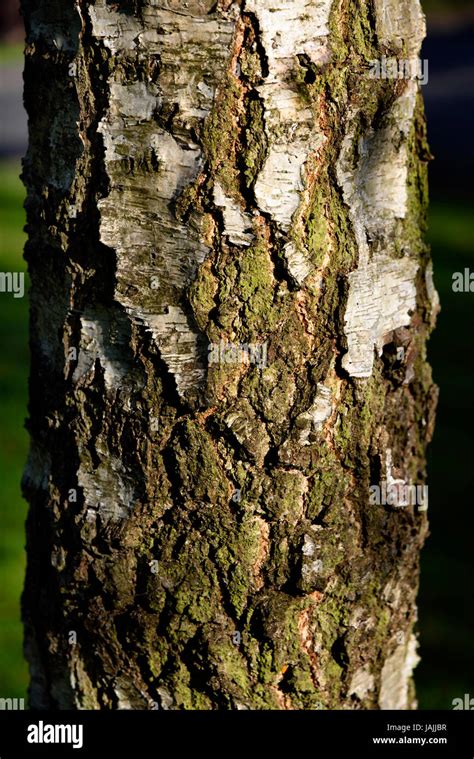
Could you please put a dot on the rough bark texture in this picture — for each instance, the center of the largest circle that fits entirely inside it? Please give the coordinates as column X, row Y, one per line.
column 200, row 533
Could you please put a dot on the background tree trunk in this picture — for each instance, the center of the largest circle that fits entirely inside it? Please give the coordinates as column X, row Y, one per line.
column 211, row 176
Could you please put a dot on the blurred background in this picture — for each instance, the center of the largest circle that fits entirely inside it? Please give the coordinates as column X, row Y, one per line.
column 446, row 618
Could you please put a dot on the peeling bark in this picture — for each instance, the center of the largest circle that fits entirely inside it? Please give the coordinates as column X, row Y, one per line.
column 209, row 174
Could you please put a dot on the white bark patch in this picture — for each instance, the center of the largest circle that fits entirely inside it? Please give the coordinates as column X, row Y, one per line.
column 311, row 421
column 194, row 48
column 148, row 167
column 237, row 224
column 391, row 480
column 107, row 491
column 362, row 683
column 117, row 31
column 145, row 219
column 382, row 291
column 134, row 102
column 396, row 674
column 400, row 23
column 280, row 182
column 130, row 696
column 123, row 702
column 432, row 293
column 297, row 262
column 392, row 593
column 375, row 189
column 288, row 29
column 166, row 698
column 291, row 27
column 178, row 345
column 105, row 343
column 382, row 297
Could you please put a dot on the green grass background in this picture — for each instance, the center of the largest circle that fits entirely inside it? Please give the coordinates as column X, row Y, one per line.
column 13, row 437
column 445, row 602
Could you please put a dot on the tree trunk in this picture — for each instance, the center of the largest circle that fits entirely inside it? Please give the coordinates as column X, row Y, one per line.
column 230, row 303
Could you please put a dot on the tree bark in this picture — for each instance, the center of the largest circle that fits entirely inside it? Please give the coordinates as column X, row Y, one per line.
column 230, row 302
